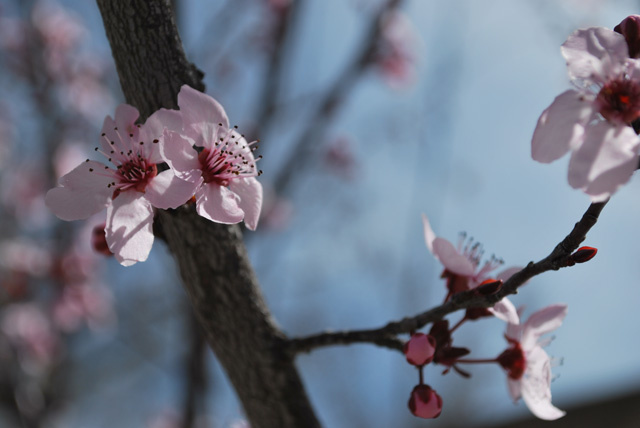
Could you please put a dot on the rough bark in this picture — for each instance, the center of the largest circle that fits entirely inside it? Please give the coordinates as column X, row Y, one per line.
column 212, row 259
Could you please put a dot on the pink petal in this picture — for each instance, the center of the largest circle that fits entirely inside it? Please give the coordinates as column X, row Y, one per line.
column 179, row 153
column 541, row 322
column 451, row 259
column 168, row 191
column 429, row 234
column 129, row 229
column 561, row 126
column 161, row 119
column 126, row 117
column 506, row 311
column 536, row 386
column 590, row 50
column 153, row 129
column 250, row 192
column 218, row 204
column 514, row 389
column 201, row 114
column 83, row 193
column 605, row 161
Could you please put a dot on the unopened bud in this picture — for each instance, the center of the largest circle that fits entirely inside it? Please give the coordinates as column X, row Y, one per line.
column 582, row 254
column 630, row 29
column 99, row 240
column 425, row 402
column 489, row 286
column 420, row 349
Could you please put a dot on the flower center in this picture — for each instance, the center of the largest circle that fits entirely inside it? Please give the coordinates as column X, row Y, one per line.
column 513, row 361
column 135, row 174
column 230, row 157
column 619, row 101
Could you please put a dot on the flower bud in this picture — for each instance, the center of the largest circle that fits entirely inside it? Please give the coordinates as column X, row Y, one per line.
column 420, row 349
column 424, row 402
column 630, row 29
column 489, row 286
column 99, row 240
column 583, row 254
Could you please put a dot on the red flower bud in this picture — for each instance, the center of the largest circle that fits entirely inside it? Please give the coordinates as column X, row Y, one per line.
column 99, row 240
column 424, row 402
column 630, row 29
column 583, row 254
column 489, row 286
column 420, row 349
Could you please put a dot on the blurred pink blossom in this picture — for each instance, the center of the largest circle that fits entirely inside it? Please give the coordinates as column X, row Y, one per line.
column 339, row 156
column 83, row 303
column 398, row 49
column 276, row 212
column 31, row 332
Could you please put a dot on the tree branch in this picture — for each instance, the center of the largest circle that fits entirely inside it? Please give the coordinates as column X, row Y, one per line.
column 385, row 336
column 305, row 145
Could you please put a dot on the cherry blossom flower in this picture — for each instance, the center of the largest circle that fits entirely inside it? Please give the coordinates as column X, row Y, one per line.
column 593, row 120
column 528, row 365
column 461, row 268
column 224, row 170
column 129, row 190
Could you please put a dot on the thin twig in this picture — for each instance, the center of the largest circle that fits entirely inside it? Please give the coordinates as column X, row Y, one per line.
column 318, row 123
column 385, row 336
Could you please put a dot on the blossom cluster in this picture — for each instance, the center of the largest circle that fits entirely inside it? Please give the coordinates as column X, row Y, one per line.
column 209, row 162
column 527, row 365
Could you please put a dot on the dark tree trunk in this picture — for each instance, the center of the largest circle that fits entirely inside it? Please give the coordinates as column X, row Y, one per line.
column 211, row 257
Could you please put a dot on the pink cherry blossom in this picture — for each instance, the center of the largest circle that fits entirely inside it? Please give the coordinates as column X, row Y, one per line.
column 31, row 333
column 593, row 121
column 224, row 170
column 461, row 268
column 398, row 49
column 528, row 365
column 130, row 189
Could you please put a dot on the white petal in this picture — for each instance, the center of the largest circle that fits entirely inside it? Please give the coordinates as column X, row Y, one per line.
column 451, row 259
column 218, row 204
column 179, row 153
column 541, row 322
column 606, row 160
column 129, row 229
column 201, row 114
column 84, row 192
column 506, row 311
column 429, row 234
column 250, row 192
column 166, row 190
column 536, row 386
column 561, row 126
column 589, row 52
column 514, row 389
